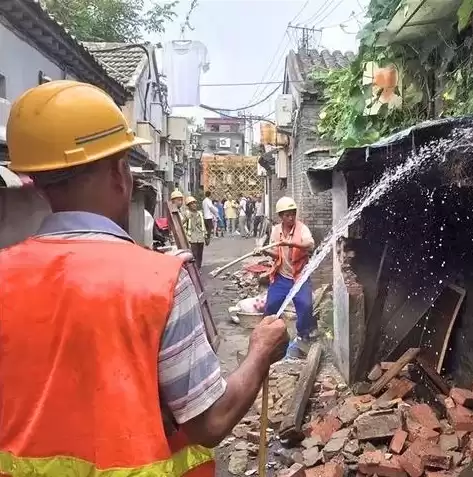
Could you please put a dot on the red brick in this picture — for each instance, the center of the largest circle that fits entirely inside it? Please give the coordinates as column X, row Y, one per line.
column 324, row 428
column 417, row 431
column 296, row 470
column 463, row 397
column 460, row 418
column 328, row 395
column 375, row 462
column 411, row 461
column 424, row 415
column 398, row 441
column 332, row 469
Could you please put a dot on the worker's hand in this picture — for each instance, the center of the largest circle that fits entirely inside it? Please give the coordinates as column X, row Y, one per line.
column 269, row 339
column 257, row 251
column 185, row 255
column 286, row 243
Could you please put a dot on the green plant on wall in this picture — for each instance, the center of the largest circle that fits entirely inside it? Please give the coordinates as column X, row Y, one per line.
column 443, row 58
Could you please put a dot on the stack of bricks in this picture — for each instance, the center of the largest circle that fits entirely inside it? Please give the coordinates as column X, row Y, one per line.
column 387, row 435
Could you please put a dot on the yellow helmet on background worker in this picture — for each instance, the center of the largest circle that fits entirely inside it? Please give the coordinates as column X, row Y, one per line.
column 176, row 194
column 190, row 200
column 285, row 204
column 62, row 124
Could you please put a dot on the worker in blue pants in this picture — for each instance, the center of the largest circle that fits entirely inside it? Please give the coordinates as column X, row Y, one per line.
column 295, row 247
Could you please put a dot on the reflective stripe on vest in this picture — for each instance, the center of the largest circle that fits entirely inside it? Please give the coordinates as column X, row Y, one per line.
column 179, row 465
column 80, row 330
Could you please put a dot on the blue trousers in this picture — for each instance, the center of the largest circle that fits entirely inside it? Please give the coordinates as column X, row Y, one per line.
column 279, row 289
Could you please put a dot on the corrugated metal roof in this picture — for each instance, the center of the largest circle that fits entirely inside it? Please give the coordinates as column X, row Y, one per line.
column 121, row 60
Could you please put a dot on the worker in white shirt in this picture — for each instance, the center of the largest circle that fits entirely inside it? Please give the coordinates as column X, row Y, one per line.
column 242, row 217
column 210, row 211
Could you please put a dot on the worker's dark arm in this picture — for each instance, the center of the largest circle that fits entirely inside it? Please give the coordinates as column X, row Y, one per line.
column 243, row 385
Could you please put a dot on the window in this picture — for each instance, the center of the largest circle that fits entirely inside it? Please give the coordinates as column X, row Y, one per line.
column 212, row 144
column 225, row 128
column 3, row 87
column 214, row 127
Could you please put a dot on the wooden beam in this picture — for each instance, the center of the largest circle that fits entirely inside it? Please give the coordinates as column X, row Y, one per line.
column 394, row 370
column 291, row 425
column 432, row 374
column 374, row 323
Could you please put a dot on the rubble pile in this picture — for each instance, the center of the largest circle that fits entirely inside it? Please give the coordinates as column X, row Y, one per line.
column 390, row 434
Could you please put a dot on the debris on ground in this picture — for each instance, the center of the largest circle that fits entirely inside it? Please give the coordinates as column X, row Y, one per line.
column 399, row 430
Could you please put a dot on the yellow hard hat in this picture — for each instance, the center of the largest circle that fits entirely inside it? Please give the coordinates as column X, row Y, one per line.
column 284, row 204
column 176, row 194
column 190, row 200
column 62, row 123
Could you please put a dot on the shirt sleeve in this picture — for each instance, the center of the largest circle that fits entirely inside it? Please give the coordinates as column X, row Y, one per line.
column 190, row 378
column 306, row 236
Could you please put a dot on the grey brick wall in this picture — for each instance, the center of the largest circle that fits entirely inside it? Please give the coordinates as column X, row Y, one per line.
column 315, row 210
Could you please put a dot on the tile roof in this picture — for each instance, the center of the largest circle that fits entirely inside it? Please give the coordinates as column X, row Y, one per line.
column 51, row 37
column 121, row 60
column 323, row 60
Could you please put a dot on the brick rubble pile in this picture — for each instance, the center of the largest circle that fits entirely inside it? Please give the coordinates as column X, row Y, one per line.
column 389, row 435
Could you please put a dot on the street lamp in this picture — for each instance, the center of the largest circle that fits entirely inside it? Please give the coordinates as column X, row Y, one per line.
column 197, row 152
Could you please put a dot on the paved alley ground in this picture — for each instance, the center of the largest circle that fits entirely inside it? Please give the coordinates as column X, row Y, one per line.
column 233, row 337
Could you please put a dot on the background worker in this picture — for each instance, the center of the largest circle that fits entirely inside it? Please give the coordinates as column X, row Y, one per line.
column 106, row 366
column 231, row 209
column 210, row 212
column 196, row 232
column 259, row 215
column 177, row 199
column 289, row 260
column 242, row 216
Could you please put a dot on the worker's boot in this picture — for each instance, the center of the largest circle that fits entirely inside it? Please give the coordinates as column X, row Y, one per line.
column 298, row 348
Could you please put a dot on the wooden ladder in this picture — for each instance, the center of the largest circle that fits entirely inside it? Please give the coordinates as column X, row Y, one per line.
column 182, row 243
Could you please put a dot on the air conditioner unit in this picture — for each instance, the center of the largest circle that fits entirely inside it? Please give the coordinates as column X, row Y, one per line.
column 225, row 143
column 283, row 114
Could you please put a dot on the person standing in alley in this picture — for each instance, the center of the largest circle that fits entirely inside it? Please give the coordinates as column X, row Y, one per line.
column 210, row 213
column 259, row 215
column 290, row 257
column 230, row 208
column 250, row 212
column 242, row 216
column 105, row 368
column 221, row 217
column 196, row 231
column 177, row 199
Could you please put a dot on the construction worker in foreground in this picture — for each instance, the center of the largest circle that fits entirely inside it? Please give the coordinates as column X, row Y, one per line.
column 290, row 257
column 104, row 362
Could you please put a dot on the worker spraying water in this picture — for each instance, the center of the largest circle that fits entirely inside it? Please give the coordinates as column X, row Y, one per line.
column 290, row 257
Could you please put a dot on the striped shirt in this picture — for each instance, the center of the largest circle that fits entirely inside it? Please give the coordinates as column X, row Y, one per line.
column 190, row 377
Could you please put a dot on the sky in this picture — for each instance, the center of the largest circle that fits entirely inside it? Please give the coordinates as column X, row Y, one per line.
column 247, row 41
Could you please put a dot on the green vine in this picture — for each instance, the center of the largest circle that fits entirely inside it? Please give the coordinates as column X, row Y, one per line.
column 436, row 72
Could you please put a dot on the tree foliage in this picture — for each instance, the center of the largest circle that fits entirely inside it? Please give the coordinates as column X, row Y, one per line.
column 436, row 70
column 110, row 20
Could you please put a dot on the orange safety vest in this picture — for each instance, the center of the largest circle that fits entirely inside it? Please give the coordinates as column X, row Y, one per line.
column 297, row 256
column 80, row 327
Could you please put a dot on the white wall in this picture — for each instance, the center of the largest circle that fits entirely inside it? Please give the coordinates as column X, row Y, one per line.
column 20, row 64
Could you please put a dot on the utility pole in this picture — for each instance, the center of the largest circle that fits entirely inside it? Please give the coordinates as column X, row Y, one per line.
column 307, row 39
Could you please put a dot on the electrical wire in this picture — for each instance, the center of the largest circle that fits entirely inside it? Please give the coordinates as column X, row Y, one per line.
column 330, row 12
column 249, row 106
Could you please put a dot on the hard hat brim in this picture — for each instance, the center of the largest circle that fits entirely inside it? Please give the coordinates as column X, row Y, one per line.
column 137, row 141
